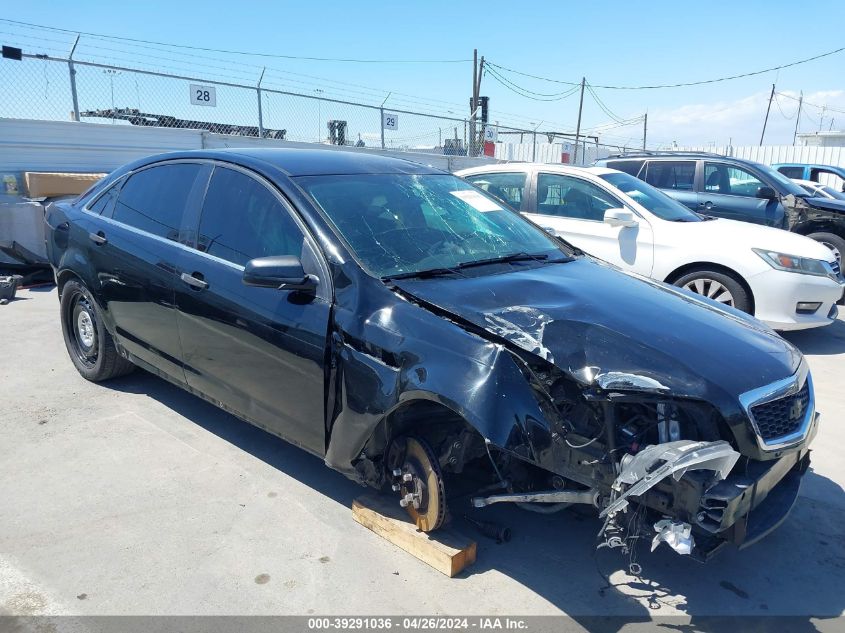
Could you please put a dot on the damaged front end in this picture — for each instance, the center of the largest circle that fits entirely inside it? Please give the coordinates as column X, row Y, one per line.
column 622, row 443
column 572, row 402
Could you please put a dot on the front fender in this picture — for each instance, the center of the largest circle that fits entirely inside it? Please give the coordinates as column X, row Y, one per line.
column 380, row 372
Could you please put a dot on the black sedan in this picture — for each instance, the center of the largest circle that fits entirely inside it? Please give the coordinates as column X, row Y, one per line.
column 402, row 325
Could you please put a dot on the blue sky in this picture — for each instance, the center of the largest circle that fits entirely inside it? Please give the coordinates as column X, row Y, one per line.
column 613, row 42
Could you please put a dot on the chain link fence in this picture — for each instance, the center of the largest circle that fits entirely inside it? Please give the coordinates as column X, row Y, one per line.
column 47, row 87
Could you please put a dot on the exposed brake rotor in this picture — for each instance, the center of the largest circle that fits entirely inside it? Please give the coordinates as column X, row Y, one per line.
column 419, row 481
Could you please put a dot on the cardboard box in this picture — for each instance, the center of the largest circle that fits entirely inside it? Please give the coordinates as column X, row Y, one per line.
column 51, row 184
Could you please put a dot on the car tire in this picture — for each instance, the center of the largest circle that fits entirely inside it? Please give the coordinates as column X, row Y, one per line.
column 833, row 242
column 89, row 345
column 714, row 284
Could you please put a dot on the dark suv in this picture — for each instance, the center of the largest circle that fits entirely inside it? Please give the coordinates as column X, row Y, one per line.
column 739, row 190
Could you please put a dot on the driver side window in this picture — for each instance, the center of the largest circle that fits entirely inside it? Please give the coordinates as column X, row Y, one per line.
column 730, row 180
column 571, row 197
column 241, row 220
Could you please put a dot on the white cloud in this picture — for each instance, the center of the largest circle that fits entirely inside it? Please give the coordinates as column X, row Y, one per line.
column 741, row 121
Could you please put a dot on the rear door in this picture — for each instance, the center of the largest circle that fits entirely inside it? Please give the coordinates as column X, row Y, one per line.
column 676, row 178
column 135, row 252
column 574, row 208
column 258, row 351
column 730, row 191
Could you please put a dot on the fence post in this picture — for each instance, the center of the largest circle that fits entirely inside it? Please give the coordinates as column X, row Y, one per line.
column 72, row 72
column 260, row 111
column 381, row 125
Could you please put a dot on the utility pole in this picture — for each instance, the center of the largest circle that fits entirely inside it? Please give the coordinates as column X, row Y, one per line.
column 798, row 118
column 477, row 72
column 821, row 120
column 645, row 128
column 578, row 127
column 766, row 120
column 473, row 103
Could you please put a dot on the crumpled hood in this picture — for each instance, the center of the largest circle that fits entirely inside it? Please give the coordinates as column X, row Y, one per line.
column 826, row 203
column 585, row 314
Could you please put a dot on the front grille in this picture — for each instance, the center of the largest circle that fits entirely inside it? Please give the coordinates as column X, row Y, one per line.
column 783, row 416
column 837, row 268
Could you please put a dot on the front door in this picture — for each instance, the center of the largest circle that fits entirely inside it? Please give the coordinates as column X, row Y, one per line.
column 259, row 351
column 573, row 208
column 730, row 192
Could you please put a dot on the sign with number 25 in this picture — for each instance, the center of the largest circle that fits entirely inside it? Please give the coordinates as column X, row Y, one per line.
column 203, row 95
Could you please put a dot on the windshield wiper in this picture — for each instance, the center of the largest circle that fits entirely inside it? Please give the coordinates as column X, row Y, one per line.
column 513, row 257
column 422, row 274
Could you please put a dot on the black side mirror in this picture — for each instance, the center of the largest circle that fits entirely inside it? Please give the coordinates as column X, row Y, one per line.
column 284, row 273
column 767, row 192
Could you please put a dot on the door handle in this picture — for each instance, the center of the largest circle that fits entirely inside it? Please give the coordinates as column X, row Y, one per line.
column 194, row 282
column 99, row 238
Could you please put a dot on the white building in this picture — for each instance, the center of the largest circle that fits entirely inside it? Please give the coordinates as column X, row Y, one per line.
column 822, row 139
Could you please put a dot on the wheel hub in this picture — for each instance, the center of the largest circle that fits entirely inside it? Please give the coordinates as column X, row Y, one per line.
column 417, row 478
column 711, row 289
column 85, row 328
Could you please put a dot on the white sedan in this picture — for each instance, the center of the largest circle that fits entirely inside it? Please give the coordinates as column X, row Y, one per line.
column 784, row 279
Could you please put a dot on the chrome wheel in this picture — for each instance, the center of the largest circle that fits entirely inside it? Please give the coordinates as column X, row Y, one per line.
column 711, row 289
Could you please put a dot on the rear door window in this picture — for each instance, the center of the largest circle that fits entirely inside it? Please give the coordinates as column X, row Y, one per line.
column 571, row 197
column 507, row 187
column 671, row 174
column 153, row 200
column 104, row 205
column 792, row 172
column 242, row 219
column 632, row 167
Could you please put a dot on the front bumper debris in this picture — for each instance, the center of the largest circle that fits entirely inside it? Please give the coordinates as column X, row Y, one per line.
column 646, row 469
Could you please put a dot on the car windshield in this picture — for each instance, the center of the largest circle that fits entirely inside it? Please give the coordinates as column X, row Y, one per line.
column 652, row 199
column 787, row 184
column 404, row 224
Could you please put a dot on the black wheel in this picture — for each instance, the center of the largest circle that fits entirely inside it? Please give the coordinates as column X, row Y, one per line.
column 835, row 243
column 717, row 286
column 88, row 343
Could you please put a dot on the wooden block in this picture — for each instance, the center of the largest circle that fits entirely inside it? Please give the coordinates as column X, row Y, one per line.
column 446, row 550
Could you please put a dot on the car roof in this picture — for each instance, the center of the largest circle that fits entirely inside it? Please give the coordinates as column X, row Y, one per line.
column 810, row 165
column 526, row 167
column 308, row 162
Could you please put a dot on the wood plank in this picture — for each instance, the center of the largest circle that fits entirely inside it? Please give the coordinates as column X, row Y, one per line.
column 446, row 550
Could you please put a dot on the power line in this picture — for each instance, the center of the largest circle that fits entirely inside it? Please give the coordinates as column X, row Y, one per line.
column 251, row 54
column 525, row 92
column 680, row 84
column 807, row 103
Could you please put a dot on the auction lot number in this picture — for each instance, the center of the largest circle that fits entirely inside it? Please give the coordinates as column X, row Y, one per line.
column 203, row 95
